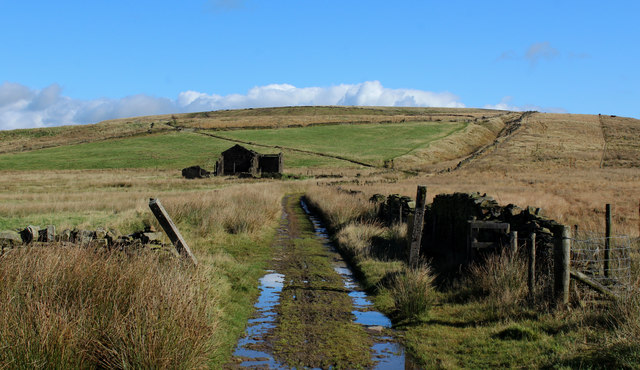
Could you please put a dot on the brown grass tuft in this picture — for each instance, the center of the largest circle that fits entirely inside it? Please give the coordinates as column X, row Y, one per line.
column 73, row 307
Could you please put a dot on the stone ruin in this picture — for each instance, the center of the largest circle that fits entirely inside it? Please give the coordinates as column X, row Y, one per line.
column 239, row 160
column 195, row 172
column 98, row 238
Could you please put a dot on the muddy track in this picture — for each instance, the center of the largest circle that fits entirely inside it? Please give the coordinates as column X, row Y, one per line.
column 287, row 148
column 314, row 326
column 511, row 127
column 317, row 317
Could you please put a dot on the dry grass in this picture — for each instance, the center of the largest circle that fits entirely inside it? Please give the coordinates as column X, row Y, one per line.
column 308, row 116
column 621, row 135
column 357, row 237
column 75, row 308
column 228, row 225
column 413, row 292
column 340, row 208
column 242, row 209
column 38, row 138
column 549, row 141
column 455, row 146
column 501, row 281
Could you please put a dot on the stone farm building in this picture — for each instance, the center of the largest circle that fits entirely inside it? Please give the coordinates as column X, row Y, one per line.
column 239, row 159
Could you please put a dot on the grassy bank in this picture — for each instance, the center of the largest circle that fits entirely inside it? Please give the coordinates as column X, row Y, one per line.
column 481, row 318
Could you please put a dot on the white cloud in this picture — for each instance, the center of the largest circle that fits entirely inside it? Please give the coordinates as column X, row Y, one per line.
column 505, row 104
column 22, row 107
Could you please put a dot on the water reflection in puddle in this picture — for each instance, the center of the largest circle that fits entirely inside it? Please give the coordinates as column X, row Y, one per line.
column 270, row 287
column 386, row 352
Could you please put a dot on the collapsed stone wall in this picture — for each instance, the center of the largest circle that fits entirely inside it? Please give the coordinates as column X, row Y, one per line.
column 393, row 208
column 446, row 224
column 99, row 238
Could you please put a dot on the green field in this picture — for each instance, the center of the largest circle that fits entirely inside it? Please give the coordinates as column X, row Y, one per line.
column 171, row 150
column 370, row 143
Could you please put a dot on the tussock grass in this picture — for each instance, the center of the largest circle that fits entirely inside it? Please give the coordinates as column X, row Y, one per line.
column 357, row 237
column 501, row 281
column 76, row 308
column 413, row 292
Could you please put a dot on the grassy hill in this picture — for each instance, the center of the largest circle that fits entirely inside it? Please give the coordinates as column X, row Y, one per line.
column 102, row 175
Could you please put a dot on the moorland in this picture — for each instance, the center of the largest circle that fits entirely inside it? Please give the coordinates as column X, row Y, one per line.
column 72, row 307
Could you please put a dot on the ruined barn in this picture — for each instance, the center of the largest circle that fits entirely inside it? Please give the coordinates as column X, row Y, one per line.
column 195, row 172
column 240, row 160
column 270, row 163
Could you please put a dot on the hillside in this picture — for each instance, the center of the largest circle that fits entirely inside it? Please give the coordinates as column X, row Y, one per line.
column 30, row 139
column 102, row 176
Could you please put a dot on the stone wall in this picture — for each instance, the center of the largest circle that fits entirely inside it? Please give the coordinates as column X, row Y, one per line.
column 446, row 225
column 393, row 208
column 98, row 238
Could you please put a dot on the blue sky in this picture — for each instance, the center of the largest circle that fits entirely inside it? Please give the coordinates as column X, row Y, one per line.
column 67, row 61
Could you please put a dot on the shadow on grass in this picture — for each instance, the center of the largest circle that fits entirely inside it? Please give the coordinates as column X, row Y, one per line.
column 614, row 356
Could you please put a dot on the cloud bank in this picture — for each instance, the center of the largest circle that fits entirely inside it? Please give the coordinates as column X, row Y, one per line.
column 23, row 107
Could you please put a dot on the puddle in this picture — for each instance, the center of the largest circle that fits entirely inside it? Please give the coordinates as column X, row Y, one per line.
column 385, row 351
column 270, row 287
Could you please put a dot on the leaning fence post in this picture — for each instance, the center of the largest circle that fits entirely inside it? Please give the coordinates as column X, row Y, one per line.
column 418, row 222
column 532, row 266
column 170, row 228
column 562, row 263
column 607, row 241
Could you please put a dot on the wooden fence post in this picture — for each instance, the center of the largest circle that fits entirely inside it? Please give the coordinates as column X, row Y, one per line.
column 607, row 242
column 513, row 241
column 170, row 228
column 562, row 264
column 418, row 222
column 532, row 266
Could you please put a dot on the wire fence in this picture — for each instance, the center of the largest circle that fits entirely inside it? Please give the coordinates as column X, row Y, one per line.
column 612, row 271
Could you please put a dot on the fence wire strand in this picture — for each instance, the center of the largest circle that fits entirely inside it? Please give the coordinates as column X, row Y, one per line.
column 588, row 257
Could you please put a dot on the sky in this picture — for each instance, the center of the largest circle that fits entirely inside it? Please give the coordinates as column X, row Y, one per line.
column 77, row 62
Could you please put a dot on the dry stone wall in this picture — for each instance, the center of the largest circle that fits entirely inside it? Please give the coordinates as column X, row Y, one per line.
column 446, row 225
column 98, row 238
